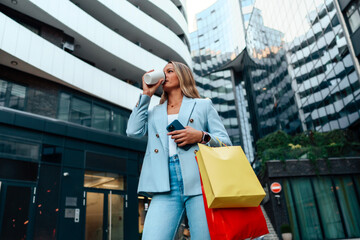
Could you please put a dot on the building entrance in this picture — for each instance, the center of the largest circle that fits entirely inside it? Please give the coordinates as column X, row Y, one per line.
column 104, row 214
column 16, row 209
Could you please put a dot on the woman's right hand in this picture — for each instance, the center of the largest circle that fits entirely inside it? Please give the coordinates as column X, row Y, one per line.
column 150, row 89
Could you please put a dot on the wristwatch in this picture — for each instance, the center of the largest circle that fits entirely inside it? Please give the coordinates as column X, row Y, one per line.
column 205, row 137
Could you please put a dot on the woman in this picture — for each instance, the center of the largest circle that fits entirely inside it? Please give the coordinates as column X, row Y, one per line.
column 170, row 173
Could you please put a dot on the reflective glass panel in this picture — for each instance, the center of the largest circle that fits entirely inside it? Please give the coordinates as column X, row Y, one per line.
column 19, row 149
column 104, row 180
column 80, row 112
column 349, row 203
column 3, row 87
column 15, row 218
column 306, row 209
column 64, row 107
column 17, row 97
column 101, row 118
column 94, row 216
column 119, row 123
column 47, row 203
column 116, row 217
column 325, row 196
column 291, row 209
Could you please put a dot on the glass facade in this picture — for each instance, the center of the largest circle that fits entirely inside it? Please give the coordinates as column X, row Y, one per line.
column 246, row 10
column 214, row 45
column 295, row 66
column 268, row 81
column 90, row 113
column 309, row 201
column 322, row 73
column 295, row 73
column 68, row 106
column 12, row 95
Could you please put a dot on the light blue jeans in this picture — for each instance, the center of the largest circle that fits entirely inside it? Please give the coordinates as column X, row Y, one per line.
column 167, row 209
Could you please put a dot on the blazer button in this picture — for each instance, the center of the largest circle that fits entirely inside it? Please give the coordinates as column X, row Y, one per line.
column 195, row 151
column 191, row 120
column 157, row 135
column 156, row 151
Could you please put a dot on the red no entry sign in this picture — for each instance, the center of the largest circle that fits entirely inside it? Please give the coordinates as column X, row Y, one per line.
column 275, row 187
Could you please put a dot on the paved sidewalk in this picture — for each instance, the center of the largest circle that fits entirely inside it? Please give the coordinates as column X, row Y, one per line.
column 272, row 234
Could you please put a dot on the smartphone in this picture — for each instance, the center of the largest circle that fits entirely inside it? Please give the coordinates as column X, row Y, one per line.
column 176, row 125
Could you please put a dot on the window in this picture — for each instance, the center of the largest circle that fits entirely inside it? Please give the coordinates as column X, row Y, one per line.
column 64, row 107
column 18, row 170
column 12, row 95
column 119, row 123
column 89, row 113
column 353, row 15
column 101, row 118
column 13, row 148
column 3, row 87
column 80, row 112
column 104, row 180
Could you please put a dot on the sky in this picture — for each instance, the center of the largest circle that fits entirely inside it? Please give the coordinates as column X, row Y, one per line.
column 194, row 7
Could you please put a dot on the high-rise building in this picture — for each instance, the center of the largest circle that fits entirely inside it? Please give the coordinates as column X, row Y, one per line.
column 297, row 70
column 70, row 73
column 214, row 45
column 267, row 80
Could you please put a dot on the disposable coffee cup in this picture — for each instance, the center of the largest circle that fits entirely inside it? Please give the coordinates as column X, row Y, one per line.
column 152, row 78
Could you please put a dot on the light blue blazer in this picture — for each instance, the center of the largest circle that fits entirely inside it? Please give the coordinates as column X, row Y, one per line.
column 197, row 113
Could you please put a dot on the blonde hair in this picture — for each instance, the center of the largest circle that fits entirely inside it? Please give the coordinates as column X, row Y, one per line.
column 186, row 80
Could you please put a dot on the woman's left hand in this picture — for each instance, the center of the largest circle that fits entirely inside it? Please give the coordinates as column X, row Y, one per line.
column 186, row 136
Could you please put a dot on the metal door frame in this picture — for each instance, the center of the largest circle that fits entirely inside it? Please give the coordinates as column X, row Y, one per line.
column 31, row 214
column 106, row 208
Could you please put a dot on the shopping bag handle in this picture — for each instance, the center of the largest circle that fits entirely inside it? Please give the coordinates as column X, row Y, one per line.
column 221, row 143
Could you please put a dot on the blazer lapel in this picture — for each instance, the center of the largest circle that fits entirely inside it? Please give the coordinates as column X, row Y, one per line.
column 187, row 107
column 161, row 122
column 161, row 119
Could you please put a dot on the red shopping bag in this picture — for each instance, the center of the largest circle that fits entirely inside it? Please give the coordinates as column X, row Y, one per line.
column 235, row 223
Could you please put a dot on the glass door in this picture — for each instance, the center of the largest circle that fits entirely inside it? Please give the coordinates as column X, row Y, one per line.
column 104, row 215
column 16, row 203
column 94, row 227
column 116, row 216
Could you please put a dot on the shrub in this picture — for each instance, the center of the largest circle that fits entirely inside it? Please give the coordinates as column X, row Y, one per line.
column 307, row 145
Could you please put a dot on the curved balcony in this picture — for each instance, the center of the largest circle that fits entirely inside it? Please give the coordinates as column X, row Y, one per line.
column 165, row 12
column 138, row 27
column 108, row 51
column 35, row 55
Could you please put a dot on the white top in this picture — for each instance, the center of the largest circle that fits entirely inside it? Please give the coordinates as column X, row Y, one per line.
column 172, row 144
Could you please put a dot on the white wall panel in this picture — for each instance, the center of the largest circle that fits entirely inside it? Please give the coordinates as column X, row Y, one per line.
column 67, row 67
column 54, row 7
column 34, row 56
column 10, row 35
column 172, row 11
column 47, row 56
column 2, row 29
column 78, row 78
column 57, row 68
column 23, row 44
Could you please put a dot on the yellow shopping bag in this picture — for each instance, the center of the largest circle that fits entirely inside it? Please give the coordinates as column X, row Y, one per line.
column 228, row 178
